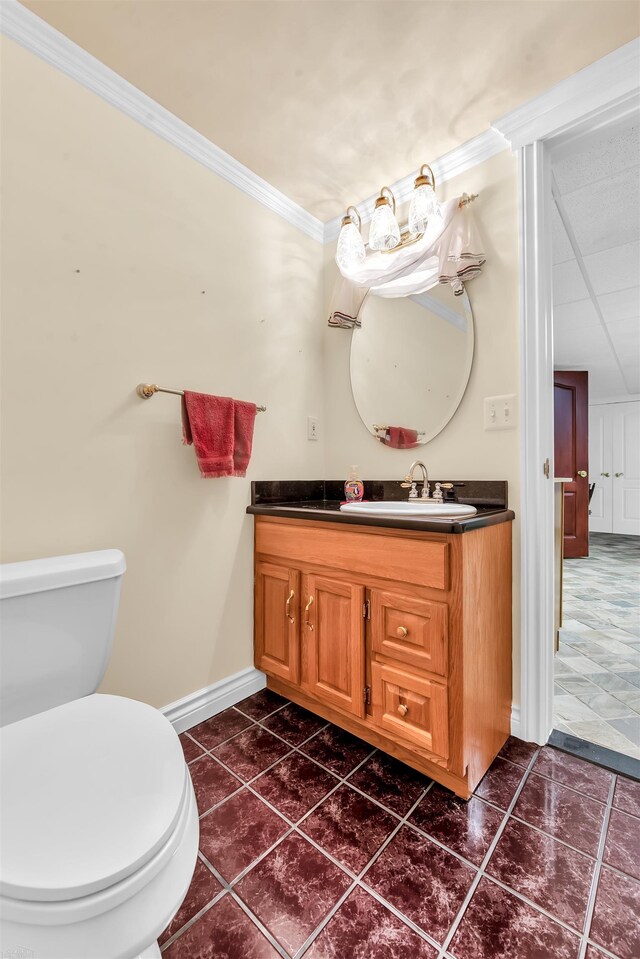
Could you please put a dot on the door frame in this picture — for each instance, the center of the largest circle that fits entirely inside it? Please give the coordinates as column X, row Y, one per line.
column 601, row 94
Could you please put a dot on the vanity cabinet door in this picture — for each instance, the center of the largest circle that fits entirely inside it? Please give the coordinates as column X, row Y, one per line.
column 277, row 616
column 412, row 708
column 332, row 641
column 410, row 630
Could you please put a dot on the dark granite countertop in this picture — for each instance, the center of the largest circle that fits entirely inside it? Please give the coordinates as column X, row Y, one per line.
column 320, row 500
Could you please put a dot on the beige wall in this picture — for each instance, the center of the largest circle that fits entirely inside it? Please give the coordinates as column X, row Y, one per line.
column 110, row 236
column 463, row 450
column 86, row 464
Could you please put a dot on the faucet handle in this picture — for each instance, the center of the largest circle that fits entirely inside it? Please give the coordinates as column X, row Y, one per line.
column 414, row 491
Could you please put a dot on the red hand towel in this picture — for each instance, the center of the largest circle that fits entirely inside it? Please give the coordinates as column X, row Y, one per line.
column 208, row 423
column 401, row 438
column 244, row 421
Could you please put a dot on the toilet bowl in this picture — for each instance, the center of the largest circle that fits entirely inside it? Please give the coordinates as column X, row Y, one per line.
column 98, row 815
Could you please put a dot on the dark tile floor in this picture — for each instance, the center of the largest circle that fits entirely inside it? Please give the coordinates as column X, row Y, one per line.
column 314, row 844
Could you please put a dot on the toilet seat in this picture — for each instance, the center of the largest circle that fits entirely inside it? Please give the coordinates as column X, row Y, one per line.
column 96, row 797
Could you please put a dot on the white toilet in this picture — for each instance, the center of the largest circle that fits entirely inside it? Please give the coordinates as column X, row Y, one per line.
column 99, row 822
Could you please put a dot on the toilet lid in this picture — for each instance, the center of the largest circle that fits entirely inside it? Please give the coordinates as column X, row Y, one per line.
column 89, row 792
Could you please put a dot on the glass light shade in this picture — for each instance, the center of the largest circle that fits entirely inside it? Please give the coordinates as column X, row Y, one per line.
column 424, row 206
column 384, row 232
column 350, row 252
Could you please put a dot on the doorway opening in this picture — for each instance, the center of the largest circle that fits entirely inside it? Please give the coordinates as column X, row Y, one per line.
column 595, row 229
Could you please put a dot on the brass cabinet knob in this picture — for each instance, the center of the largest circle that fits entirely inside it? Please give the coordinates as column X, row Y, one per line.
column 582, row 473
column 402, row 709
column 618, row 475
column 605, row 474
column 402, row 631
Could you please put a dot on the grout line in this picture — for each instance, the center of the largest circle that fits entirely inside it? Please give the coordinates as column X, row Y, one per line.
column 259, row 925
column 602, row 949
column 534, row 905
column 218, row 875
column 191, row 922
column 230, row 886
column 448, row 849
column 227, row 888
column 399, row 915
column 294, row 824
column 480, row 873
column 266, row 715
column 556, row 782
column 243, row 783
column 252, row 722
column 549, row 835
column 381, row 806
column 294, row 827
column 223, row 742
column 276, row 762
column 591, row 902
column 358, row 878
column 322, row 925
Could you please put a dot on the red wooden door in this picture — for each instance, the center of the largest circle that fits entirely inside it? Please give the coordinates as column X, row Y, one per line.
column 571, row 452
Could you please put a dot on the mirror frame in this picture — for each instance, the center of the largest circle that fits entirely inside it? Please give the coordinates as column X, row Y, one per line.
column 471, row 341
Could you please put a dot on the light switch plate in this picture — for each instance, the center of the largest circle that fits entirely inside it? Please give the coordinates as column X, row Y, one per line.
column 313, row 430
column 501, row 412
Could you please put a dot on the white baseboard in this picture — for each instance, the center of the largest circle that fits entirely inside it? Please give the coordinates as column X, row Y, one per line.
column 515, row 721
column 204, row 703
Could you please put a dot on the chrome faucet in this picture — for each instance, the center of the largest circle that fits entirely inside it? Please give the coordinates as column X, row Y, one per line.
column 409, row 482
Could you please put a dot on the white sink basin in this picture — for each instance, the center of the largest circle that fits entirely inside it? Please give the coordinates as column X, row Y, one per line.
column 398, row 509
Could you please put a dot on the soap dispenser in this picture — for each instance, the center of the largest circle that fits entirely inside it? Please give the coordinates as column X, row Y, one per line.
column 353, row 487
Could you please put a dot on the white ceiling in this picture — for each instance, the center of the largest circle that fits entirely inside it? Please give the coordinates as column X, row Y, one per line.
column 596, row 259
column 329, row 99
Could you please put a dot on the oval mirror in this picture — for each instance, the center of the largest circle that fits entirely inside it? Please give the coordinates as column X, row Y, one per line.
column 410, row 364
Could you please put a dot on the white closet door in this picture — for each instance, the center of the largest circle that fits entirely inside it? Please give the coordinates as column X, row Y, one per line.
column 600, row 453
column 626, row 468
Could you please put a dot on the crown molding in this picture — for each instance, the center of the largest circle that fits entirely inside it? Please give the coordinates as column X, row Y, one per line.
column 458, row 160
column 20, row 24
column 612, row 79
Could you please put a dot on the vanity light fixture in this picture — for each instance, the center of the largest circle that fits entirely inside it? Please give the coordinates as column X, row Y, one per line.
column 424, row 203
column 384, row 232
column 351, row 251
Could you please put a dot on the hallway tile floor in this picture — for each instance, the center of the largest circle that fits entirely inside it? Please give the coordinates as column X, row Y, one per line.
column 314, row 844
column 597, row 668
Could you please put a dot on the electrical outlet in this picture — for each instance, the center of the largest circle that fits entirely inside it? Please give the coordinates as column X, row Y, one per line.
column 313, row 430
column 500, row 412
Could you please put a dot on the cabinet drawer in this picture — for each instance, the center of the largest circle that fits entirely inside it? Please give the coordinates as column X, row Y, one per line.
column 410, row 630
column 403, row 559
column 412, row 708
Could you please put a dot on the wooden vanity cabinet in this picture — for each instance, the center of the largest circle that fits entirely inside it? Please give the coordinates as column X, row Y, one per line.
column 277, row 617
column 401, row 637
column 332, row 642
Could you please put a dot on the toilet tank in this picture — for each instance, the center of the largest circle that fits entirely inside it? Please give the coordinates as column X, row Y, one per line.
column 57, row 619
